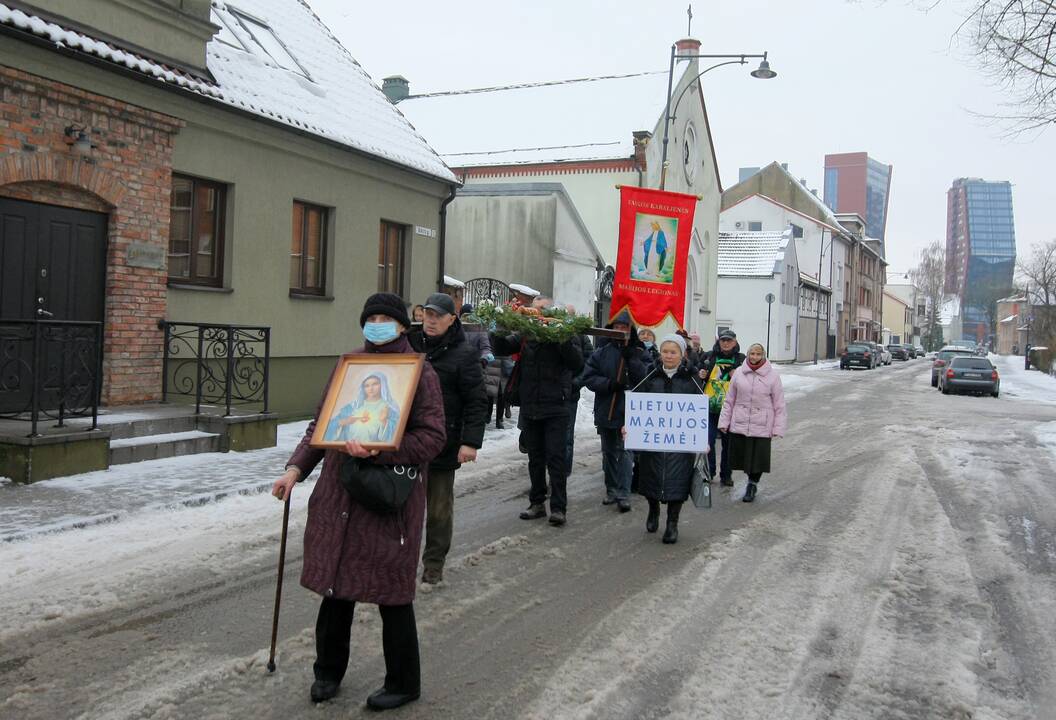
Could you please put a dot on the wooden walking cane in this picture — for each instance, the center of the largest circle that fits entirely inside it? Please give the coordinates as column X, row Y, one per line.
column 278, row 586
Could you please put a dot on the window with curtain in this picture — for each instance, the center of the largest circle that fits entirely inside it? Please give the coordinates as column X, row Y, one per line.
column 308, row 249
column 391, row 252
column 196, row 231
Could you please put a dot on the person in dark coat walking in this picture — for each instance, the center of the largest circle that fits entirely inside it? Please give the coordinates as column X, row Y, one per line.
column 456, row 361
column 586, row 348
column 544, row 376
column 716, row 372
column 615, row 367
column 352, row 554
column 665, row 477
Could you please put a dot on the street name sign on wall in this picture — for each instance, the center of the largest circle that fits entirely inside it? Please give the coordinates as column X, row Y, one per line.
column 145, row 256
column 666, row 422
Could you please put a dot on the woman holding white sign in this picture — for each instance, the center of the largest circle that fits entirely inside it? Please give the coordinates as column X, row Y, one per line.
column 754, row 412
column 664, row 477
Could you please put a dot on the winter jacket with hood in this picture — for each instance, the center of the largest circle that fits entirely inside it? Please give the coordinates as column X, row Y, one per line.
column 600, row 374
column 352, row 553
column 755, row 403
column 457, row 364
column 666, row 476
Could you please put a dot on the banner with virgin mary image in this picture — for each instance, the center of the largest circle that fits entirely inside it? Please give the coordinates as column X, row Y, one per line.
column 655, row 231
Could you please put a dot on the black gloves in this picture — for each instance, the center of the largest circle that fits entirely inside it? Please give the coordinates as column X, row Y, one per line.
column 628, row 351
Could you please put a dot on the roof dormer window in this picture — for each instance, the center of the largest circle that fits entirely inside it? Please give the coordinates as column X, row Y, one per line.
column 225, row 35
column 268, row 42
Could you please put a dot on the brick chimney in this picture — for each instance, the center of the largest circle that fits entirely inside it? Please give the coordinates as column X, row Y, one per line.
column 641, row 142
column 687, row 46
column 396, row 88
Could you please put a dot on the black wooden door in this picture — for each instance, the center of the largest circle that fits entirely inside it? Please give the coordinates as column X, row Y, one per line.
column 52, row 267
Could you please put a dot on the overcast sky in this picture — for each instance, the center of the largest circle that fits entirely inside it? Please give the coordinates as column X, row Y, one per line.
column 882, row 77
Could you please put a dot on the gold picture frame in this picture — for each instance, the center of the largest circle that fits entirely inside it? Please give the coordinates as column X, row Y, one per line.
column 369, row 399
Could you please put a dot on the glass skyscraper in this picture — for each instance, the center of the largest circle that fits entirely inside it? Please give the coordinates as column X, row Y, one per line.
column 980, row 249
column 856, row 183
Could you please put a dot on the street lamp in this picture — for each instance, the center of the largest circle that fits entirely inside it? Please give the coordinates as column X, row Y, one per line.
column 817, row 305
column 763, row 72
column 770, row 297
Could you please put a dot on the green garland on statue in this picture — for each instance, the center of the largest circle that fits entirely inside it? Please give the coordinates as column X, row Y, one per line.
column 559, row 327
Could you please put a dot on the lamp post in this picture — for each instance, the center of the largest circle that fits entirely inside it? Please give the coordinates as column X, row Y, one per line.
column 769, row 305
column 817, row 304
column 763, row 72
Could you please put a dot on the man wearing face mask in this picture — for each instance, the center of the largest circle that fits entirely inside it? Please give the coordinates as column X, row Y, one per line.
column 648, row 338
column 457, row 363
column 353, row 554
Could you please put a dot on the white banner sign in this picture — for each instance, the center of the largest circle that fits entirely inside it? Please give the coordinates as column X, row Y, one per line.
column 666, row 422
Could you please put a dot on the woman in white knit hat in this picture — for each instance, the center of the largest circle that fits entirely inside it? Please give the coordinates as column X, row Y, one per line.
column 664, row 477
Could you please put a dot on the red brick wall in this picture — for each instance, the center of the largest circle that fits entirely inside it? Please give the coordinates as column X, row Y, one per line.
column 128, row 175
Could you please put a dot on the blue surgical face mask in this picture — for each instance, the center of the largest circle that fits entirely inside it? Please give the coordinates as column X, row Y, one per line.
column 380, row 333
column 648, row 343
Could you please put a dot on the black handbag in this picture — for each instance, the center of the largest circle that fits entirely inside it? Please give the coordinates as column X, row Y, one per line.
column 382, row 489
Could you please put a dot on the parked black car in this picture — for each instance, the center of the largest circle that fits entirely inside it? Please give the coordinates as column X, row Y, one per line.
column 898, row 352
column 858, row 355
column 942, row 358
column 910, row 350
column 970, row 374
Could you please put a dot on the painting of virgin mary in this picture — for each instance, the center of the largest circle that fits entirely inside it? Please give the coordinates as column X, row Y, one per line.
column 372, row 416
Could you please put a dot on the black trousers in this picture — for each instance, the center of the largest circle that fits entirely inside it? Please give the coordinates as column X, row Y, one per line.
column 545, row 439
column 399, row 639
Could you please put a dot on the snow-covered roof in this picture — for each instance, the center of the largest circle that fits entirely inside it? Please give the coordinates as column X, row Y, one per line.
column 574, row 120
column 808, row 279
column 326, row 93
column 452, row 282
column 1010, row 318
column 752, row 254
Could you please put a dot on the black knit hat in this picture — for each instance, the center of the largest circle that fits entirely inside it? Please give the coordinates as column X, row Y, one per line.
column 385, row 304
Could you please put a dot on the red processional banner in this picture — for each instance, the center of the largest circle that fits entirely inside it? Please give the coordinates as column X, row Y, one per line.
column 655, row 231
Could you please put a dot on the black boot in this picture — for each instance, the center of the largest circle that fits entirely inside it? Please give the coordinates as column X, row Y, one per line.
column 749, row 492
column 652, row 521
column 671, row 531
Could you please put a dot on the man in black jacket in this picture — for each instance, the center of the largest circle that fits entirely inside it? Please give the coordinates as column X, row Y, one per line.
column 457, row 364
column 615, row 367
column 544, row 378
column 716, row 371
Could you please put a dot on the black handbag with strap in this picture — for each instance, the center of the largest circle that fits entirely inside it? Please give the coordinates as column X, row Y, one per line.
column 382, row 489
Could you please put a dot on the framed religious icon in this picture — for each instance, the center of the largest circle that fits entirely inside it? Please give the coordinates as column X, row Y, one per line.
column 369, row 400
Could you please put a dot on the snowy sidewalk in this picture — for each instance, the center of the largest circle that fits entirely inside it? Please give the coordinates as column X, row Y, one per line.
column 1021, row 384
column 116, row 494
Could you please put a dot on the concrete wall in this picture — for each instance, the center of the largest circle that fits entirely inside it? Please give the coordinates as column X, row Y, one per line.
column 507, row 237
column 575, row 261
column 595, row 196
column 528, row 234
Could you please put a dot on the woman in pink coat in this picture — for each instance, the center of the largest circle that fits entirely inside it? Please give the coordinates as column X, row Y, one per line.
column 754, row 412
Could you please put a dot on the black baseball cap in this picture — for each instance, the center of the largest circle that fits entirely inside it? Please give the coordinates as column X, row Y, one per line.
column 727, row 334
column 441, row 303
